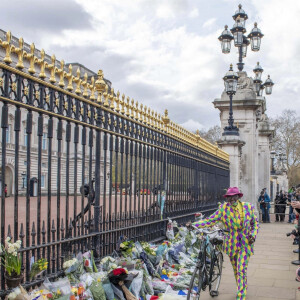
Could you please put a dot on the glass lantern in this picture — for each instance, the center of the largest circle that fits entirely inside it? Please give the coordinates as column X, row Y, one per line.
column 255, row 37
column 240, row 13
column 269, row 85
column 245, row 46
column 258, row 71
column 225, row 38
column 230, row 81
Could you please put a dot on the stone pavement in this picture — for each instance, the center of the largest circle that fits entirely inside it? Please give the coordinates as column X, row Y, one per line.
column 270, row 273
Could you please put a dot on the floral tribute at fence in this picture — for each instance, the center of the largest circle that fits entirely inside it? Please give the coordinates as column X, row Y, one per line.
column 136, row 270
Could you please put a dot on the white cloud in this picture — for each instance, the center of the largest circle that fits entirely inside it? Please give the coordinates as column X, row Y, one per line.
column 194, row 13
column 192, row 125
column 209, row 23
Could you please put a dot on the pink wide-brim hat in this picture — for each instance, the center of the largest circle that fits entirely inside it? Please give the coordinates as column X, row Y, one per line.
column 232, row 191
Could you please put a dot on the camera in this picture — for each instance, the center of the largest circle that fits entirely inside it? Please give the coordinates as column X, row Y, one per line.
column 294, row 232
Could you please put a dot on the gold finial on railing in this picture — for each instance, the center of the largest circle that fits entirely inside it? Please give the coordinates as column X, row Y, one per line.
column 42, row 64
column 152, row 118
column 141, row 112
column 118, row 101
column 111, row 98
column 172, row 128
column 91, row 87
column 70, row 77
column 51, row 67
column 132, row 109
column 165, row 118
column 85, row 84
column 30, row 56
column 136, row 110
column 100, row 86
column 158, row 122
column 78, row 81
column 149, row 116
column 123, row 104
column 7, row 46
column 61, row 73
column 127, row 106
column 145, row 114
column 20, row 52
column 105, row 95
column 155, row 120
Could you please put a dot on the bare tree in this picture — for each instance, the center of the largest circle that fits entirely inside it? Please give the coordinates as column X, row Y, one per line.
column 212, row 135
column 287, row 137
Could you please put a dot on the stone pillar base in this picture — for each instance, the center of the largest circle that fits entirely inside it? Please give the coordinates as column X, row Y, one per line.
column 232, row 144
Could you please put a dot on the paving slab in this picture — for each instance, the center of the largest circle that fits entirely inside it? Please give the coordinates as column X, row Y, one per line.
column 270, row 273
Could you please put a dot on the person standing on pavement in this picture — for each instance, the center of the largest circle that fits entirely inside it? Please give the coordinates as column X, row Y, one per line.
column 241, row 222
column 5, row 190
column 282, row 202
column 277, row 206
column 291, row 198
column 264, row 201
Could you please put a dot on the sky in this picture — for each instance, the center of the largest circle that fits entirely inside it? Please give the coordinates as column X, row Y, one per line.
column 165, row 53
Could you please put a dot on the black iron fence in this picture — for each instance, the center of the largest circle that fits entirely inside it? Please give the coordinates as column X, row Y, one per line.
column 81, row 166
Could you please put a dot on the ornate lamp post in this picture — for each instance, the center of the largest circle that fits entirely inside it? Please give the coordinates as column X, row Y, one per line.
column 241, row 41
column 230, row 82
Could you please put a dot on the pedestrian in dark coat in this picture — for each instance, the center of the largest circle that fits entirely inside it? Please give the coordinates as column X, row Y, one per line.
column 277, row 206
column 282, row 208
column 264, row 201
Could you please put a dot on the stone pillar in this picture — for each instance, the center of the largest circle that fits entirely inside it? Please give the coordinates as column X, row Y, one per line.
column 233, row 146
column 265, row 135
column 247, row 111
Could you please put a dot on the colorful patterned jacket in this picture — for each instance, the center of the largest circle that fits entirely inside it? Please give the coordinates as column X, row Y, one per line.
column 238, row 233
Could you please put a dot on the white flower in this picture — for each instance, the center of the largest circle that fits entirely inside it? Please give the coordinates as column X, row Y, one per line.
column 7, row 239
column 15, row 253
column 113, row 266
column 67, row 264
column 16, row 246
column 11, row 249
column 13, row 295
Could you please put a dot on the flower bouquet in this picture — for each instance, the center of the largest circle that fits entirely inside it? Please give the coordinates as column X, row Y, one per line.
column 118, row 277
column 126, row 248
column 106, row 262
column 12, row 261
column 89, row 262
column 38, row 268
column 73, row 268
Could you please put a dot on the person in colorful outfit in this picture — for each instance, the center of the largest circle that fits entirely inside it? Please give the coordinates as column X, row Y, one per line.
column 241, row 222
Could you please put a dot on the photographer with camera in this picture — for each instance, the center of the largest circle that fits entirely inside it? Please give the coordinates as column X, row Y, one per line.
column 264, row 201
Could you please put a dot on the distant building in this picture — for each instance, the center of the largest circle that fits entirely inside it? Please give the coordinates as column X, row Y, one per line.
column 10, row 142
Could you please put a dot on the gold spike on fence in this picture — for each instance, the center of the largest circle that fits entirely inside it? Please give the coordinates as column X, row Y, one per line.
column 36, row 63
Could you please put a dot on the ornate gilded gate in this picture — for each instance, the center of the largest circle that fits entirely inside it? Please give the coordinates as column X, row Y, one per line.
column 90, row 165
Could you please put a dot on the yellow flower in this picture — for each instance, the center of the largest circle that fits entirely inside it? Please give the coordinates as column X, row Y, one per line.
column 164, row 272
column 99, row 280
column 58, row 292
